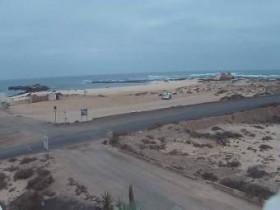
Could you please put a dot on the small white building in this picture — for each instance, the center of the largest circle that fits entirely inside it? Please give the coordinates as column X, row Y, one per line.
column 2, row 97
column 52, row 96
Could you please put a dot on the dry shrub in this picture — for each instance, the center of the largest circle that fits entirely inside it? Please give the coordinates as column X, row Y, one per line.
column 80, row 189
column 23, row 173
column 258, row 127
column 251, row 148
column 27, row 201
column 219, row 137
column 154, row 147
column 162, row 146
column 43, row 172
column 248, row 133
column 255, row 172
column 174, row 152
column 222, row 91
column 48, row 193
column 188, row 142
column 267, row 138
column 216, row 128
column 128, row 148
column 209, row 176
column 11, row 169
column 264, row 147
column 150, row 137
column 202, row 145
column 162, row 139
column 27, row 160
column 116, row 137
column 42, row 181
column 3, row 183
column 232, row 97
column 12, row 160
column 227, row 135
column 39, row 184
column 250, row 189
column 145, row 141
column 142, row 146
column 233, row 164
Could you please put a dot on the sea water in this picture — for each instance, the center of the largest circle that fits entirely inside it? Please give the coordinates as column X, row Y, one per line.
column 121, row 80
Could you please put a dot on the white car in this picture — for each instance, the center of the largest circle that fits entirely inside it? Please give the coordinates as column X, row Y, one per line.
column 166, row 96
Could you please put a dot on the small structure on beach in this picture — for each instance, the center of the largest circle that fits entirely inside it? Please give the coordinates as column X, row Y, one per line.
column 34, row 98
column 53, row 96
column 224, row 76
column 2, row 97
column 3, row 102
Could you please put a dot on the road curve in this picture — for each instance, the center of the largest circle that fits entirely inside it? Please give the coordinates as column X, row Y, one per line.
column 62, row 135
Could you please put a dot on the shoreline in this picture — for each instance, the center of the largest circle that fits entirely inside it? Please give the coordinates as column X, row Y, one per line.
column 120, row 100
column 131, row 89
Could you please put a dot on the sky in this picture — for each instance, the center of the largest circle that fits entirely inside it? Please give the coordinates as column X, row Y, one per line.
column 48, row 38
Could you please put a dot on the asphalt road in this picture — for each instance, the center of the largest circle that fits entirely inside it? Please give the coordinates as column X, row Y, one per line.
column 61, row 135
column 99, row 168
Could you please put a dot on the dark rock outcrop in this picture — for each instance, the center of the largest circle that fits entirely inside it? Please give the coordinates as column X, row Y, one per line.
column 30, row 88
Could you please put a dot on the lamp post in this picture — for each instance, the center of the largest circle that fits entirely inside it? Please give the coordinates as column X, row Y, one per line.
column 54, row 109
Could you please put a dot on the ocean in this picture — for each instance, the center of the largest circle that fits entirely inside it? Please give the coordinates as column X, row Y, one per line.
column 121, row 80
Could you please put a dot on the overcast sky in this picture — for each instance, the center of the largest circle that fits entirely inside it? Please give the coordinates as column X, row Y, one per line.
column 67, row 37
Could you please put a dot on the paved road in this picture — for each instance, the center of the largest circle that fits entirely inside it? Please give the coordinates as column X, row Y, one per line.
column 61, row 135
column 100, row 168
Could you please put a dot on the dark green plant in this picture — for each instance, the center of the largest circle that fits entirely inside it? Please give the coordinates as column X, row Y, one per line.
column 127, row 206
column 131, row 195
column 107, row 201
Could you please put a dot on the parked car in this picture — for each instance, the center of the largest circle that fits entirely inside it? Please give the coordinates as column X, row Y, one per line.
column 166, row 96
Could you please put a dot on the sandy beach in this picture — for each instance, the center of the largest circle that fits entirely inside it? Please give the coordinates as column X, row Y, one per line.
column 111, row 101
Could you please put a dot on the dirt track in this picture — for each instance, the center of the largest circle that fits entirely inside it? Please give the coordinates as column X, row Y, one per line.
column 101, row 168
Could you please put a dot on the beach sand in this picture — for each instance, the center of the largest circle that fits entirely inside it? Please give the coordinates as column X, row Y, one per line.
column 111, row 101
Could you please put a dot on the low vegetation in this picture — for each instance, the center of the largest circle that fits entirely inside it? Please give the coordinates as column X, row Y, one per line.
column 250, row 189
column 233, row 164
column 107, row 201
column 255, row 172
column 267, row 138
column 12, row 160
column 264, row 147
column 216, row 128
column 43, row 180
column 23, row 173
column 3, row 183
column 27, row 160
column 29, row 200
column 220, row 137
column 209, row 176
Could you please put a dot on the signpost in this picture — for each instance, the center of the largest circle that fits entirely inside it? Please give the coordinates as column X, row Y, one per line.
column 84, row 112
column 46, row 146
